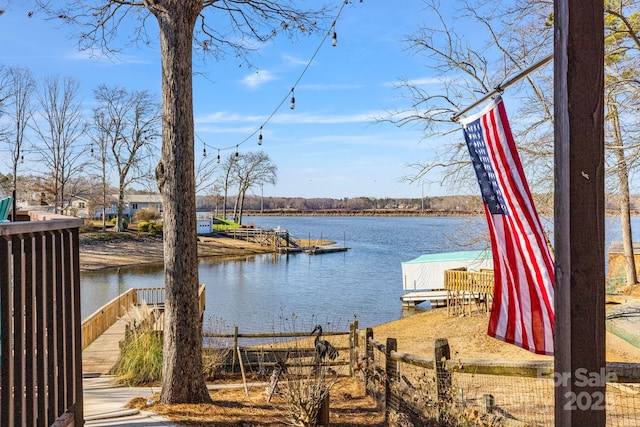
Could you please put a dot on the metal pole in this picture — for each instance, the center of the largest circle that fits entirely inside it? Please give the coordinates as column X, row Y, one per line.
column 501, row 87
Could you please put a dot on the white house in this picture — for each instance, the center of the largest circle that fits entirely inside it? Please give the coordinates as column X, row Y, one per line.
column 132, row 204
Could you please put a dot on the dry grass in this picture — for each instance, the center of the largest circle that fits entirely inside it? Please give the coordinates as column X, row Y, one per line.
column 349, row 406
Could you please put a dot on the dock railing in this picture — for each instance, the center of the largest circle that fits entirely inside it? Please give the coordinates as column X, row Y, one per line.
column 107, row 315
column 103, row 318
column 40, row 336
column 466, row 289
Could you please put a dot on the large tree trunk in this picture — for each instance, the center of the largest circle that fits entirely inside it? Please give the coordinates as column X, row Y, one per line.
column 182, row 373
column 625, row 208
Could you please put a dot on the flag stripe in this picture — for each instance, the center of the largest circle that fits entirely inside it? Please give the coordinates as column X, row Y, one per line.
column 522, row 312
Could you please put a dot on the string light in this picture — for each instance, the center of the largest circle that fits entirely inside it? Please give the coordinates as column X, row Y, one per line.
column 204, row 152
column 291, row 95
column 334, row 37
column 22, row 158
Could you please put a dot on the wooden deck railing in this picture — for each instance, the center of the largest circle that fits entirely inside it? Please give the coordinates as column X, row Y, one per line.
column 103, row 318
column 466, row 288
column 40, row 359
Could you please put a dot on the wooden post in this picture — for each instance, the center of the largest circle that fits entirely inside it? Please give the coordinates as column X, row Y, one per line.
column 244, row 378
column 235, row 345
column 353, row 336
column 579, row 213
column 323, row 413
column 441, row 354
column 488, row 404
column 368, row 361
column 392, row 402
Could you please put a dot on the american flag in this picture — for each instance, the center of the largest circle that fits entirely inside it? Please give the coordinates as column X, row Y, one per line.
column 522, row 311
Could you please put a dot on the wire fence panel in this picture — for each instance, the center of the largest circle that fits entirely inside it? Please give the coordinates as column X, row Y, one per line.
column 437, row 391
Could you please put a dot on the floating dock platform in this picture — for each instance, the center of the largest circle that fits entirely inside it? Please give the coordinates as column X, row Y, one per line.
column 435, row 298
column 317, row 250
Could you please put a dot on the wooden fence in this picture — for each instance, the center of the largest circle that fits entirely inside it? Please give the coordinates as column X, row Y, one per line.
column 260, row 352
column 41, row 354
column 479, row 392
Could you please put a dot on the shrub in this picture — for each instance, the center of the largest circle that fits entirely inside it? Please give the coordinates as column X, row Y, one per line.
column 125, row 223
column 147, row 215
column 149, row 227
column 140, row 359
column 144, row 226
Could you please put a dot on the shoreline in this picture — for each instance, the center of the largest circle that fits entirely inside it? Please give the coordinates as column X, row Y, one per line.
column 97, row 255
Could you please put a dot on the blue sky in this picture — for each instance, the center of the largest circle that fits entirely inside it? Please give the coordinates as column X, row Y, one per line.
column 329, row 146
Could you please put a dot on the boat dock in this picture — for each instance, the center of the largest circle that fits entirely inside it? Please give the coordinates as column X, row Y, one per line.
column 317, row 250
column 435, row 298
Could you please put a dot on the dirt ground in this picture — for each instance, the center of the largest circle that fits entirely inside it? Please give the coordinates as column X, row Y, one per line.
column 349, row 405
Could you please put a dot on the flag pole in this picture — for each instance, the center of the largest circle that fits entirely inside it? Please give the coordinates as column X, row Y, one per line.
column 501, row 87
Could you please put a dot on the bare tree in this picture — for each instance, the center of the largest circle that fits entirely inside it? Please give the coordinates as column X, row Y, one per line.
column 59, row 125
column 226, row 180
column 100, row 152
column 205, row 173
column 127, row 124
column 251, row 169
column 465, row 72
column 229, row 26
column 22, row 86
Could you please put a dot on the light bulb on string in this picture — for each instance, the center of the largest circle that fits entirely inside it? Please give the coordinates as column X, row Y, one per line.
column 204, row 152
column 334, row 39
column 293, row 100
column 237, row 152
column 218, row 155
column 92, row 149
column 22, row 158
column 260, row 136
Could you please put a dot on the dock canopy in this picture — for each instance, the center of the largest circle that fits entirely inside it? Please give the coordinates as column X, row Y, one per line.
column 427, row 271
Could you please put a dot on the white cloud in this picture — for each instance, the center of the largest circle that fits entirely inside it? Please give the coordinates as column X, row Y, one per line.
column 293, row 60
column 255, row 80
column 422, row 81
column 297, row 118
column 226, row 117
column 97, row 55
column 287, row 118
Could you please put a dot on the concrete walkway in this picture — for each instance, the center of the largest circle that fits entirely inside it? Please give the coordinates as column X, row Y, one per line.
column 104, row 405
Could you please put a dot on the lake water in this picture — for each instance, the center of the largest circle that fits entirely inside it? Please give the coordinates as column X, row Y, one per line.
column 256, row 293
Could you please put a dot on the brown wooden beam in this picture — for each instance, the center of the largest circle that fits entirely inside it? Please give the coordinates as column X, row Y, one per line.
column 579, row 213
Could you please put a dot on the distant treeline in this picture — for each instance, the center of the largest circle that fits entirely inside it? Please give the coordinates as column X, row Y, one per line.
column 386, row 206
